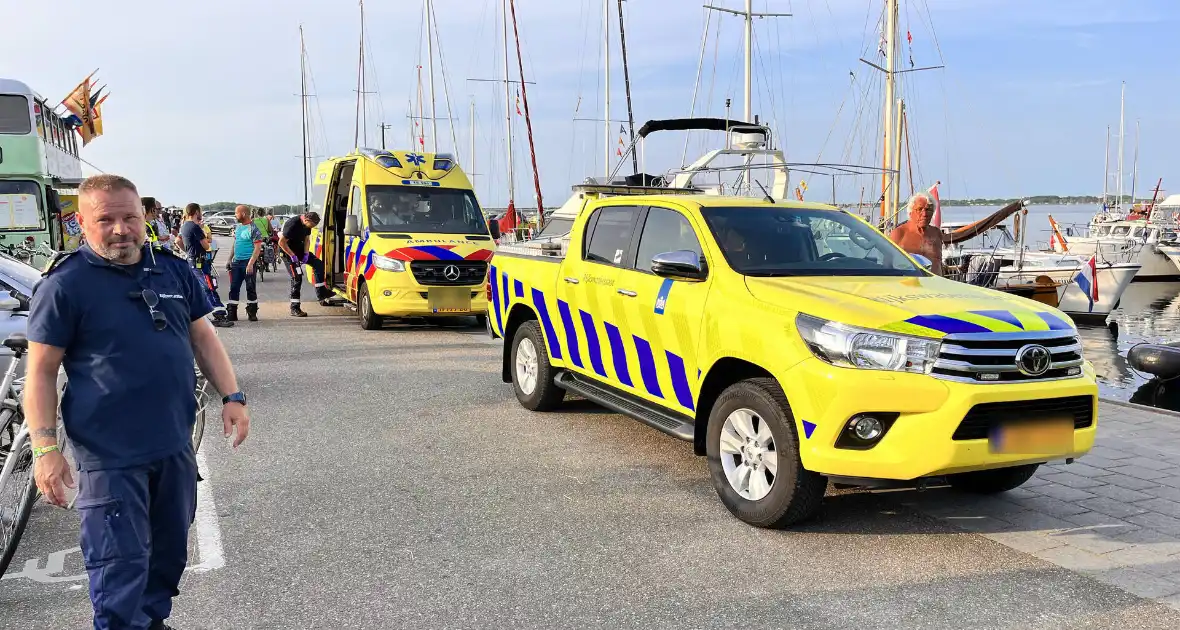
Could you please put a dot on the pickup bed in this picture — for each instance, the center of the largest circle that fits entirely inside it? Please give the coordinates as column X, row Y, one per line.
column 793, row 345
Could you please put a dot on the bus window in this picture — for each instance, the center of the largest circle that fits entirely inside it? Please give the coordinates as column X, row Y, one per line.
column 14, row 115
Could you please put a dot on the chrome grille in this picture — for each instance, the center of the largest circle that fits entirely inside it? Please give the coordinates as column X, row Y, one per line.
column 433, row 272
column 992, row 357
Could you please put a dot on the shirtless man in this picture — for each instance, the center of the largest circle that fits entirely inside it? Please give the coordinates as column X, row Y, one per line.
column 917, row 236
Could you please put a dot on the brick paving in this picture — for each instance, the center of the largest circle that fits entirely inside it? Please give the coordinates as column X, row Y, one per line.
column 1113, row 514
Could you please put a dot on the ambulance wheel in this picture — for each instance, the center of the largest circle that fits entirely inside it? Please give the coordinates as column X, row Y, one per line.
column 369, row 319
column 992, row 481
column 754, row 463
column 532, row 375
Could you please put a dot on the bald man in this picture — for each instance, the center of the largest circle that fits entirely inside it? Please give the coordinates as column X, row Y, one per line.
column 917, row 236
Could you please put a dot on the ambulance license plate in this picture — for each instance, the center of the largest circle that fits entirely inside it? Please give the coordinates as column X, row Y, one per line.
column 450, row 300
column 1041, row 436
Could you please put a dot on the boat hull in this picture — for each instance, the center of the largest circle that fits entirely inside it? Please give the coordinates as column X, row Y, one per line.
column 1113, row 280
column 1155, row 267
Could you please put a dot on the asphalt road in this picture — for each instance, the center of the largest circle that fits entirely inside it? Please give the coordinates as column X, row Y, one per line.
column 392, row 481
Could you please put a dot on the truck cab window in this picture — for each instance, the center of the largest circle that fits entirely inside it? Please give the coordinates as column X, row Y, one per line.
column 612, row 233
column 665, row 231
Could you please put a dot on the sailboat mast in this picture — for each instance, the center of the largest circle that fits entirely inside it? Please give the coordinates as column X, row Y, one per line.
column 524, row 95
column 748, row 90
column 360, row 81
column 303, row 110
column 896, row 149
column 890, row 86
column 472, row 162
column 627, row 87
column 1135, row 167
column 606, row 144
column 1122, row 115
column 508, row 108
column 430, row 80
column 1106, row 171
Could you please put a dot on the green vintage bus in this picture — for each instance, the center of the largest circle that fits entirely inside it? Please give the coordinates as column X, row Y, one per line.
column 39, row 175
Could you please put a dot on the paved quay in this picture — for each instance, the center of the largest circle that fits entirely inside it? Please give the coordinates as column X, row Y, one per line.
column 391, row 481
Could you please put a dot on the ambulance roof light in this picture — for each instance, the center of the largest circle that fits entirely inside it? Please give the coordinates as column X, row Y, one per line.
column 443, row 161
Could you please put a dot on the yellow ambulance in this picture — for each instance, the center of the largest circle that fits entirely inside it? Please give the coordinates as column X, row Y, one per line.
column 401, row 235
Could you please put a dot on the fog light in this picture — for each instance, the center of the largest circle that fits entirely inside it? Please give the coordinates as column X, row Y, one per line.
column 866, row 428
column 387, row 293
column 1073, row 371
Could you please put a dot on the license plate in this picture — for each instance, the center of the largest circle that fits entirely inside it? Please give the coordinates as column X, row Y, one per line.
column 1046, row 436
column 450, row 300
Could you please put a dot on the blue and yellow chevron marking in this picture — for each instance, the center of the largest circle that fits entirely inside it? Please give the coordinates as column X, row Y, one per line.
column 592, row 343
column 496, row 300
column 980, row 321
column 679, row 380
column 518, row 287
column 618, row 354
column 546, row 323
column 571, row 334
column 647, row 367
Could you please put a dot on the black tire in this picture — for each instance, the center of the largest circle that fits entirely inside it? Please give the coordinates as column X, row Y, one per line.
column 261, row 273
column 795, row 493
column 199, row 426
column 481, row 321
column 992, row 481
column 25, row 507
column 546, row 395
column 369, row 319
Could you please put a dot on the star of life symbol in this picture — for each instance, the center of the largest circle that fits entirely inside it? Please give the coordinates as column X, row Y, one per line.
column 415, row 158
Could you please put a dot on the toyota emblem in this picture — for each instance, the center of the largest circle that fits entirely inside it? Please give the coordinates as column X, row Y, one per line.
column 451, row 272
column 1033, row 360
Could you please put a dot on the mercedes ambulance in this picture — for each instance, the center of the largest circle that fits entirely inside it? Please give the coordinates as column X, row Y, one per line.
column 401, row 235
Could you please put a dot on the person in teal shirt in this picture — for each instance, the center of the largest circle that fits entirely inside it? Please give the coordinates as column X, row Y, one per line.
column 243, row 256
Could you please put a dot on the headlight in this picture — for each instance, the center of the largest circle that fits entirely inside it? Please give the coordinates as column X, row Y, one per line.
column 848, row 346
column 388, row 264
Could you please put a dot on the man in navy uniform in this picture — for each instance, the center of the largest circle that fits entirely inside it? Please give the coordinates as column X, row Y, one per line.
column 126, row 319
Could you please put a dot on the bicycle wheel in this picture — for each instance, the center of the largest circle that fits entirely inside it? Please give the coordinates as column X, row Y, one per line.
column 202, row 406
column 17, row 495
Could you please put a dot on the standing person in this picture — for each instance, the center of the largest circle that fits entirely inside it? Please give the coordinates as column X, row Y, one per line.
column 261, row 223
column 917, row 236
column 196, row 244
column 243, row 256
column 154, row 224
column 126, row 320
column 293, row 242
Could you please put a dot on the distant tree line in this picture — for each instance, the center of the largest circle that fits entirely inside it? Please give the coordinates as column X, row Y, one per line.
column 1056, row 200
column 230, row 205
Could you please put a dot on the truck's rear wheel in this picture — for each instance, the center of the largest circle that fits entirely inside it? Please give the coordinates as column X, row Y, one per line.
column 369, row 319
column 532, row 375
column 754, row 462
column 992, row 481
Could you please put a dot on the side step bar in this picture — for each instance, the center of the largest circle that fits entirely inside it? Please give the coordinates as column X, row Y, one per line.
column 673, row 424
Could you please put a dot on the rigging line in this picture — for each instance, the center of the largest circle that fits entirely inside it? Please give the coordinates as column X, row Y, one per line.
column 713, row 74
column 835, row 122
column 319, row 109
column 380, row 108
column 442, row 62
column 696, row 86
column 933, row 33
column 787, row 101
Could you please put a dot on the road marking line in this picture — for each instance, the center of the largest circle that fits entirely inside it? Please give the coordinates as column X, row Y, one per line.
column 209, row 549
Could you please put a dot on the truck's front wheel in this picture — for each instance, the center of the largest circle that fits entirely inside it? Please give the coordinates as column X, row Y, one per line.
column 369, row 319
column 992, row 481
column 754, row 462
column 532, row 375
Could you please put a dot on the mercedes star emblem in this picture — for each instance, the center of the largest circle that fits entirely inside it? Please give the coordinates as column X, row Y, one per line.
column 1033, row 360
column 451, row 272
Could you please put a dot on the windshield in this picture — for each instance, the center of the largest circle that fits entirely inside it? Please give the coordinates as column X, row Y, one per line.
column 556, row 227
column 778, row 241
column 431, row 210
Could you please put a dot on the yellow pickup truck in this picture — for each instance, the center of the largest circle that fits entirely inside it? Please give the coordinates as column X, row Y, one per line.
column 793, row 345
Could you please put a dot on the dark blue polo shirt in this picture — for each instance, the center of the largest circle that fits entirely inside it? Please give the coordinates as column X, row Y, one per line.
column 129, row 398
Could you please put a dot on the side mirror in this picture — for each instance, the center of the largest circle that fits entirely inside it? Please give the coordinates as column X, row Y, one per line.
column 682, row 263
column 924, row 261
column 494, row 229
column 351, row 226
column 53, row 199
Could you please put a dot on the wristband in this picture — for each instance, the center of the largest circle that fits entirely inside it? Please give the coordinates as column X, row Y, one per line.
column 38, row 451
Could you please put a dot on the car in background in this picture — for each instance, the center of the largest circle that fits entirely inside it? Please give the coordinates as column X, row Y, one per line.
column 16, row 286
column 222, row 225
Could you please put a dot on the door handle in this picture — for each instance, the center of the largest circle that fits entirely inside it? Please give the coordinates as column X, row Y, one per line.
column 571, row 280
column 627, row 293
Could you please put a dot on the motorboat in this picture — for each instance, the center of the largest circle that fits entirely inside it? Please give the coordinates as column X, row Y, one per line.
column 995, row 259
column 1135, row 237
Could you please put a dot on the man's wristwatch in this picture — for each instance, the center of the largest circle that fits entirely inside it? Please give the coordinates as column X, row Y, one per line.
column 237, row 397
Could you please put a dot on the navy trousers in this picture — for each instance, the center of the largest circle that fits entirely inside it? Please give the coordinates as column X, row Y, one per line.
column 238, row 275
column 134, row 539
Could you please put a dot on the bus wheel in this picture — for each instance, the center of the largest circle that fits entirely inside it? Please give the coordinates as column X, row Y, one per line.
column 369, row 319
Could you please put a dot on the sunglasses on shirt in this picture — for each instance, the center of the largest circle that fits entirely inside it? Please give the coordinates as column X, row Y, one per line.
column 152, row 300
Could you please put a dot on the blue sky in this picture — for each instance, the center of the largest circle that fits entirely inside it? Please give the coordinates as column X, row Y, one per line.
column 203, row 102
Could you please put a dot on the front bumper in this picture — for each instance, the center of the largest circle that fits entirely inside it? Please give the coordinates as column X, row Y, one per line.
column 919, row 443
column 399, row 295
